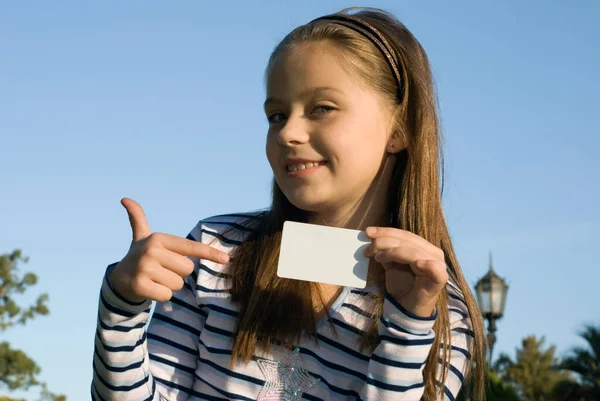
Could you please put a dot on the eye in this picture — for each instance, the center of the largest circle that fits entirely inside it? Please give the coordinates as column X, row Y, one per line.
column 322, row 109
column 276, row 118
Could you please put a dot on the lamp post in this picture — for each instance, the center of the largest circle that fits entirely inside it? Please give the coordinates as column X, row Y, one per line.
column 491, row 295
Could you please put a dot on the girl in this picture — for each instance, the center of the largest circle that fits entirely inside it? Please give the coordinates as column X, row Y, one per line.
column 353, row 142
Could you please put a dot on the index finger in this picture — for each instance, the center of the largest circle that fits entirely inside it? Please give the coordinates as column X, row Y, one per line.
column 191, row 248
column 378, row 232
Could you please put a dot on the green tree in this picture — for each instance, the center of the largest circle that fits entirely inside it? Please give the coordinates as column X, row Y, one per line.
column 495, row 390
column 533, row 372
column 17, row 370
column 584, row 364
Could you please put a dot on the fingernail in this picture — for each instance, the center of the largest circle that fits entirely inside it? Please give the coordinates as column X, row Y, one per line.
column 224, row 258
column 371, row 230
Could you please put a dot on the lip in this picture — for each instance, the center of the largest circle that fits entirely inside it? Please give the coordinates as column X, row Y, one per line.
column 307, row 171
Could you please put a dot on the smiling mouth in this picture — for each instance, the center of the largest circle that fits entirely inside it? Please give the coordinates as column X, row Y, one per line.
column 290, row 168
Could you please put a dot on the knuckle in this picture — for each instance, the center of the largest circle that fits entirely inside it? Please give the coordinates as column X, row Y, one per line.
column 214, row 253
column 154, row 239
column 177, row 284
column 441, row 254
column 145, row 262
column 151, row 252
column 189, row 266
column 190, row 246
column 164, row 296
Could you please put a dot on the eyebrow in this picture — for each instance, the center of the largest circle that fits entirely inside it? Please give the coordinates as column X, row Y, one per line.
column 306, row 93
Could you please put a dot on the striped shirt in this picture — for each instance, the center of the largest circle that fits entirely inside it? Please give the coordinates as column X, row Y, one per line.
column 183, row 352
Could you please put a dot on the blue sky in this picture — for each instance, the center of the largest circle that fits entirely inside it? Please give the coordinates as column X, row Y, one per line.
column 161, row 102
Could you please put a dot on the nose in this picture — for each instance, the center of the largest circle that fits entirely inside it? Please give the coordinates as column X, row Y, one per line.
column 294, row 132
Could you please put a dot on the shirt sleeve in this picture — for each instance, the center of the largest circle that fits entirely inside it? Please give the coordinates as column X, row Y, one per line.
column 396, row 367
column 153, row 364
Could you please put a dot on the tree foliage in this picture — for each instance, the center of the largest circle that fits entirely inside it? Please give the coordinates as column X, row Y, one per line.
column 496, row 390
column 534, row 371
column 584, row 364
column 17, row 370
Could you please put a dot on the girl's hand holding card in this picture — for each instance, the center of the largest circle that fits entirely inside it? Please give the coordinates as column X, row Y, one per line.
column 415, row 269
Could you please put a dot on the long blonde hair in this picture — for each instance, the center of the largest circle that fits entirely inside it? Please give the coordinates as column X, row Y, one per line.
column 414, row 203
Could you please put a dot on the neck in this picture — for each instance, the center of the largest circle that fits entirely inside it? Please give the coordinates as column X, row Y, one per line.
column 358, row 216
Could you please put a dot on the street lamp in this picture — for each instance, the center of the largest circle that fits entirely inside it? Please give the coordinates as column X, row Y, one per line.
column 491, row 296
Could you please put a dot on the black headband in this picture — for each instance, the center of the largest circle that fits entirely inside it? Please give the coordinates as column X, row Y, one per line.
column 371, row 33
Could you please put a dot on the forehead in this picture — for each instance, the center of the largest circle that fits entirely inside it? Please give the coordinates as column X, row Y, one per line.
column 312, row 64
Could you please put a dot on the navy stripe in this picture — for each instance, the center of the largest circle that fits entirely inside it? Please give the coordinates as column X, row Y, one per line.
column 460, row 312
column 397, row 364
column 130, row 387
column 393, row 326
column 332, row 365
column 191, row 237
column 173, row 385
column 213, row 272
column 392, row 387
column 115, row 369
column 231, row 373
column 406, row 341
column 117, row 311
column 95, row 390
column 230, row 224
column 103, row 399
column 176, row 323
column 448, row 393
column 361, row 293
column 406, row 312
column 358, row 310
column 213, row 350
column 193, row 308
column 218, row 331
column 153, row 391
column 188, row 286
column 175, row 365
column 456, row 297
column 343, row 348
column 154, row 337
column 253, row 216
column 221, row 237
column 311, row 397
column 208, row 397
column 212, row 290
column 453, row 284
column 335, row 388
column 461, row 350
column 194, row 276
column 220, row 309
column 230, row 396
column 348, row 327
column 92, row 391
column 455, row 371
column 122, row 348
column 119, row 328
column 464, row 331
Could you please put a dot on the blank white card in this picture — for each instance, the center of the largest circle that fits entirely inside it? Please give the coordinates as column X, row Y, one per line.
column 323, row 254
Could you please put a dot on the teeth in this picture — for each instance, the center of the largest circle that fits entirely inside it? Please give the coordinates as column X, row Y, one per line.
column 301, row 166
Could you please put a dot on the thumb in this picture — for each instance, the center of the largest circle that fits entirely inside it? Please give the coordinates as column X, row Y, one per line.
column 137, row 219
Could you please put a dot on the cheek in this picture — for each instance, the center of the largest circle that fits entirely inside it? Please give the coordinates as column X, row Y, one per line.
column 359, row 147
column 271, row 149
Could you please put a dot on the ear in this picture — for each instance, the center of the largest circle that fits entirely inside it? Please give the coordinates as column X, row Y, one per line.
column 396, row 143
